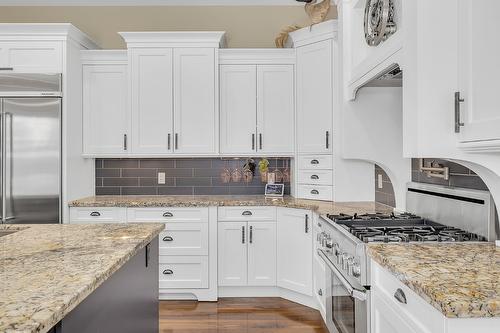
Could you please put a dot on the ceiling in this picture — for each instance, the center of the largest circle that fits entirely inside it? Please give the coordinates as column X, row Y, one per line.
column 150, row 3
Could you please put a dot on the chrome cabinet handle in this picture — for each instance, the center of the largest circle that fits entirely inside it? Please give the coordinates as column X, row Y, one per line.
column 253, row 141
column 260, row 141
column 327, row 139
column 168, row 141
column 168, row 214
column 246, row 213
column 320, row 292
column 243, row 235
column 6, row 68
column 168, row 239
column 307, row 223
column 314, row 162
column 124, row 141
column 458, row 100
column 95, row 214
column 315, row 192
column 400, row 296
column 316, row 177
column 176, row 141
column 168, row 272
column 251, row 235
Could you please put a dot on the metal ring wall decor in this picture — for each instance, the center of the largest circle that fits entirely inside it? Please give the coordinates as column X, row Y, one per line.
column 379, row 21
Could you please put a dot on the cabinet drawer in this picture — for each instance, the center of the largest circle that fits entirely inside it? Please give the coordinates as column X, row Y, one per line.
column 315, row 192
column 316, row 177
column 249, row 213
column 385, row 285
column 184, row 238
column 167, row 214
column 314, row 162
column 34, row 57
column 98, row 215
column 179, row 272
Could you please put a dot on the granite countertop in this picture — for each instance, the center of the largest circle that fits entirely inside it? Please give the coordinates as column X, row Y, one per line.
column 47, row 270
column 322, row 207
column 462, row 280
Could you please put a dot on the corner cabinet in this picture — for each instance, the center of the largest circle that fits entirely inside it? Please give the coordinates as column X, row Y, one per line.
column 295, row 257
column 257, row 102
column 105, row 103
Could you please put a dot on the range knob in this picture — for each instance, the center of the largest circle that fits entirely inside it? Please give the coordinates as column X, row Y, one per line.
column 345, row 261
column 354, row 269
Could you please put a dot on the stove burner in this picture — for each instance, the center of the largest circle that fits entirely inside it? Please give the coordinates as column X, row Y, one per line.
column 340, row 217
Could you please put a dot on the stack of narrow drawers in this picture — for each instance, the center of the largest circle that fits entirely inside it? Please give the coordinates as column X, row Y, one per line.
column 315, row 177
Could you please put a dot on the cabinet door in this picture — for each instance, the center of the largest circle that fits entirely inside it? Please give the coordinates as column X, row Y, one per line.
column 32, row 57
column 275, row 109
column 319, row 284
column 232, row 253
column 295, row 250
column 151, row 100
column 194, row 101
column 479, row 69
column 314, row 97
column 105, row 109
column 262, row 254
column 238, row 84
column 385, row 320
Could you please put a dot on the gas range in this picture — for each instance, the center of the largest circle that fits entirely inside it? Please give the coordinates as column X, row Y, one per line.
column 396, row 228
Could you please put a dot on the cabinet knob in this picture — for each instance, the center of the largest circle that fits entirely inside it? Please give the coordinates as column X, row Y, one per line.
column 168, row 239
column 168, row 272
column 314, row 192
column 315, row 177
column 168, row 214
column 314, row 162
column 246, row 213
column 95, row 214
column 320, row 292
column 400, row 296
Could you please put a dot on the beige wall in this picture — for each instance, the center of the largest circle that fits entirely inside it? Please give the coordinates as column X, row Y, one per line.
column 246, row 26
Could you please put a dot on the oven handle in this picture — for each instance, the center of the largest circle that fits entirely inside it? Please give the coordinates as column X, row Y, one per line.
column 357, row 293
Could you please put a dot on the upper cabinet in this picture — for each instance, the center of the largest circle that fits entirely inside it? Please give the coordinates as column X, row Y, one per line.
column 257, row 102
column 105, row 103
column 315, row 97
column 151, row 102
column 478, row 71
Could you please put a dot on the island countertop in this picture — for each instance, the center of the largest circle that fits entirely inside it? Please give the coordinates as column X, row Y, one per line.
column 47, row 270
column 321, row 207
column 462, row 280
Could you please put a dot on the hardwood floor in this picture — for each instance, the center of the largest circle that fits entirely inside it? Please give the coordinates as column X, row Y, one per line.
column 239, row 315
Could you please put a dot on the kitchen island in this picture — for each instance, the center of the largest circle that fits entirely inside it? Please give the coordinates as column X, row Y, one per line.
column 79, row 278
column 461, row 281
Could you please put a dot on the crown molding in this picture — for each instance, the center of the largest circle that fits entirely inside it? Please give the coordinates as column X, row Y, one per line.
column 174, row 38
column 150, row 3
column 315, row 33
column 256, row 56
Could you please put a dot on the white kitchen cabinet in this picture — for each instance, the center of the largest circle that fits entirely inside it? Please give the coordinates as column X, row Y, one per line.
column 31, row 56
column 247, row 253
column 183, row 272
column 151, row 88
column 275, row 109
column 105, row 106
column 195, row 122
column 262, row 254
column 314, row 80
column 232, row 257
column 257, row 109
column 478, row 69
column 238, row 103
column 319, row 284
column 83, row 215
column 295, row 250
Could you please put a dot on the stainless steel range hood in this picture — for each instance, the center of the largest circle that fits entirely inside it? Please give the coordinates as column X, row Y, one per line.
column 390, row 77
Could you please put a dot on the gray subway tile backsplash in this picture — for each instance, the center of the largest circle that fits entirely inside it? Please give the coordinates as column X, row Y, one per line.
column 186, row 176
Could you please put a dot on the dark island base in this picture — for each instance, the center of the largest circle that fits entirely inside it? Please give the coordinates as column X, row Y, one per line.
column 126, row 302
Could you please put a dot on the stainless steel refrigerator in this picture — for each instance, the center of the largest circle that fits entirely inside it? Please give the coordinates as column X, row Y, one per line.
column 30, row 148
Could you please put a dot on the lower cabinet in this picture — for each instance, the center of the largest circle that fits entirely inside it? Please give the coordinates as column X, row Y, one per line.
column 247, row 253
column 295, row 271
column 183, row 272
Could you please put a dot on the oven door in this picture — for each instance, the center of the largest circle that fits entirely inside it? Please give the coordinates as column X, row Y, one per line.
column 348, row 302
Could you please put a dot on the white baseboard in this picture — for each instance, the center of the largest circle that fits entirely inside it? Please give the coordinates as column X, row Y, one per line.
column 202, row 295
column 268, row 292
